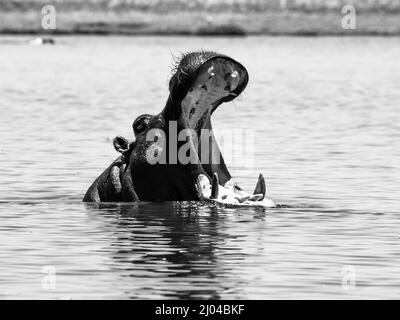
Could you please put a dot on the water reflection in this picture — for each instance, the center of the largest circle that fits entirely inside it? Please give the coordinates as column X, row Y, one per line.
column 175, row 241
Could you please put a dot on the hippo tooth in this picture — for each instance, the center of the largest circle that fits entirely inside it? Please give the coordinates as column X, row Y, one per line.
column 260, row 187
column 256, row 197
column 215, row 186
column 203, row 186
column 242, row 199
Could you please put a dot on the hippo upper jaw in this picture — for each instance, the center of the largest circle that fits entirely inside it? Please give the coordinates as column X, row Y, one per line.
column 218, row 79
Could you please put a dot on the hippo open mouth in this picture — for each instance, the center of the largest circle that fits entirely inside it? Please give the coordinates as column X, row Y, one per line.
column 154, row 168
column 217, row 79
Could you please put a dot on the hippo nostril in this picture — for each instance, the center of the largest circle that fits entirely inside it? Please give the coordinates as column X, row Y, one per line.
column 210, row 71
column 227, row 76
column 232, row 79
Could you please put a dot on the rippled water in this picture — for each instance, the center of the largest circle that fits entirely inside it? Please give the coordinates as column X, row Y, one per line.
column 326, row 114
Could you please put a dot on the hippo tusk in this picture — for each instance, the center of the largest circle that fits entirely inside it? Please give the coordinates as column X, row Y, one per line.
column 203, row 187
column 260, row 187
column 215, row 186
column 243, row 198
column 256, row 197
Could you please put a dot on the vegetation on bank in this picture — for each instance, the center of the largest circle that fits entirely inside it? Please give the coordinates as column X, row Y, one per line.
column 202, row 17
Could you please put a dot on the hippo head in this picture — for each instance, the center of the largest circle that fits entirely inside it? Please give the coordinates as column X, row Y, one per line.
column 175, row 155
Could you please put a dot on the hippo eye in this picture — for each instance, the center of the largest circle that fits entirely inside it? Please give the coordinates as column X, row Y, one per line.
column 141, row 123
column 139, row 128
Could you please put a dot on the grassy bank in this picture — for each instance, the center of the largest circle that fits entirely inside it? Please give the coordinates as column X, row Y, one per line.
column 212, row 17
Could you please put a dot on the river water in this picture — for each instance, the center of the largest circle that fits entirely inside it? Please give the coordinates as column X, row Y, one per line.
column 327, row 122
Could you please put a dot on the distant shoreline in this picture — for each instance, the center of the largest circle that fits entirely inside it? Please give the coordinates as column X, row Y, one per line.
column 308, row 35
column 188, row 23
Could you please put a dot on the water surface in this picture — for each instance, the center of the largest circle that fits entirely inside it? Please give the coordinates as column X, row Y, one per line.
column 326, row 115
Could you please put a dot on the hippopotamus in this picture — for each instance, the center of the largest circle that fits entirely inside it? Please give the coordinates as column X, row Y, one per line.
column 155, row 166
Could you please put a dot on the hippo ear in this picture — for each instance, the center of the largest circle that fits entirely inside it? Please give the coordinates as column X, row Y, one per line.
column 121, row 144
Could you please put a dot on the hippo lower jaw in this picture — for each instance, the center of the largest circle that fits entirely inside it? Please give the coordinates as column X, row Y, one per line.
column 231, row 194
column 217, row 81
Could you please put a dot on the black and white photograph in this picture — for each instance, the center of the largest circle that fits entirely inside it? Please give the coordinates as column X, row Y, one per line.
column 213, row 150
